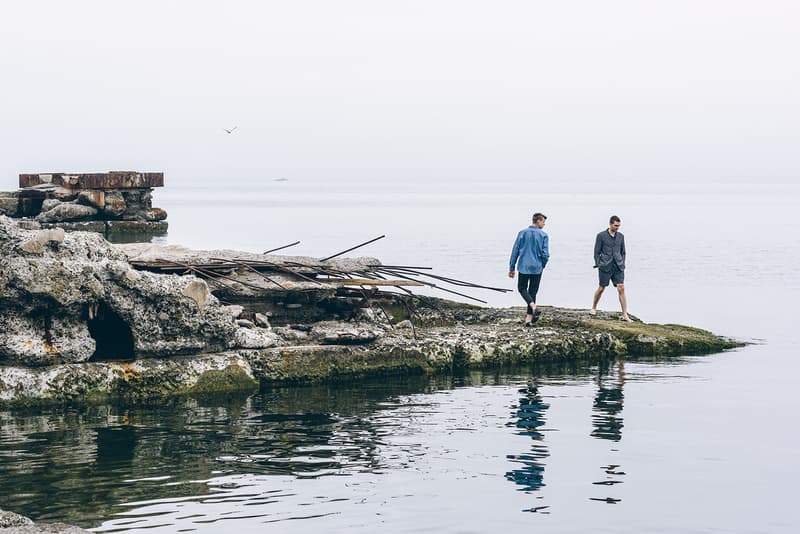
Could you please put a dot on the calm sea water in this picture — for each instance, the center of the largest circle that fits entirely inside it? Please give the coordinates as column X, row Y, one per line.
column 696, row 444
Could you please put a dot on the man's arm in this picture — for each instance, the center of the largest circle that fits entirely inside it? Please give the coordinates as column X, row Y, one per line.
column 512, row 262
column 622, row 249
column 598, row 246
column 545, row 250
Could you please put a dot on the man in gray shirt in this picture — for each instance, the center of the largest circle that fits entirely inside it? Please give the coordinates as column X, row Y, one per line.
column 609, row 258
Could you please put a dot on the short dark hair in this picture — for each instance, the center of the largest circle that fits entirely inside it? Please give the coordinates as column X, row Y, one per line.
column 613, row 219
column 539, row 217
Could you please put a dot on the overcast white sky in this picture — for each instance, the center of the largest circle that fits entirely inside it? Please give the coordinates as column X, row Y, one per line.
column 554, row 91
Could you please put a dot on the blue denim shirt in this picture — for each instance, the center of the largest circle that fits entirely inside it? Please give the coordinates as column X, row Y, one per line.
column 531, row 249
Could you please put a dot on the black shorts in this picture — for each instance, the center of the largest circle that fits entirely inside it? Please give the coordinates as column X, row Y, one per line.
column 614, row 276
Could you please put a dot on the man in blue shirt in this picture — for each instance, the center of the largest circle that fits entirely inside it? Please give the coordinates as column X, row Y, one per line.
column 531, row 252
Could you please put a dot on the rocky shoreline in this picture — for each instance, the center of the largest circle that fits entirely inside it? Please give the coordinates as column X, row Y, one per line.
column 80, row 323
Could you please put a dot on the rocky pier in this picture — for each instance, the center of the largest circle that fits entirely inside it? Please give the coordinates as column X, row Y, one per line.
column 83, row 320
column 107, row 203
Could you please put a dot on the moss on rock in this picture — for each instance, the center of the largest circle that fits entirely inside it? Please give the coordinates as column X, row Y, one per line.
column 228, row 380
column 644, row 339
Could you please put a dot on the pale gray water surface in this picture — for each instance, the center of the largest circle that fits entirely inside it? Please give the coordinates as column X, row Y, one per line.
column 698, row 444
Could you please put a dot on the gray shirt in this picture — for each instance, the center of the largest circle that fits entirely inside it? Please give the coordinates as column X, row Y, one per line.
column 609, row 251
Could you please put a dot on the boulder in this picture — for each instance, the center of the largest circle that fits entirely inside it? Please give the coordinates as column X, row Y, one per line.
column 262, row 320
column 41, row 239
column 93, row 198
column 49, row 294
column 67, row 212
column 336, row 333
column 46, row 340
column 11, row 523
column 10, row 519
column 256, row 338
column 50, row 203
column 8, row 204
column 115, row 204
column 155, row 214
column 198, row 291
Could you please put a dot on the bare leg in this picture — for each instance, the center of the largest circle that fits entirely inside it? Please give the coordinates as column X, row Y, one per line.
column 597, row 295
column 623, row 301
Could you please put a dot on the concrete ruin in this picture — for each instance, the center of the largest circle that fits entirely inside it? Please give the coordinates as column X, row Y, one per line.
column 84, row 320
column 108, row 203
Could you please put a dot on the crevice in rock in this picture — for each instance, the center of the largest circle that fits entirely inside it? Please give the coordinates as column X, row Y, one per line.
column 112, row 335
column 48, row 329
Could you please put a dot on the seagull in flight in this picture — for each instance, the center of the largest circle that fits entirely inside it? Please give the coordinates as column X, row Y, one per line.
column 231, row 130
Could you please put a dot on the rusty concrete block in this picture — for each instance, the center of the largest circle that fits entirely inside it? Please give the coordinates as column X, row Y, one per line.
column 102, row 180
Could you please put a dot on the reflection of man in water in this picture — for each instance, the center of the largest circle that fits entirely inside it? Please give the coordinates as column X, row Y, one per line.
column 529, row 418
column 607, row 418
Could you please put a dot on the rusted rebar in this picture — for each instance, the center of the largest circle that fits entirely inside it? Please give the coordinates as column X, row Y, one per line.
column 250, row 267
column 353, row 248
column 281, row 248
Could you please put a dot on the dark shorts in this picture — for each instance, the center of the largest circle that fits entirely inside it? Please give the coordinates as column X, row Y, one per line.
column 614, row 276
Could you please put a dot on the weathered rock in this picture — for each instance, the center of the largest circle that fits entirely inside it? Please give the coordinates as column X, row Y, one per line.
column 255, row 338
column 337, row 333
column 475, row 338
column 141, row 380
column 29, row 224
column 234, row 310
column 46, row 340
column 115, row 204
column 78, row 226
column 155, row 214
column 262, row 320
column 42, row 239
column 197, row 290
column 93, row 197
column 11, row 523
column 8, row 204
column 45, row 301
column 45, row 528
column 136, row 227
column 66, row 212
column 10, row 519
column 50, row 203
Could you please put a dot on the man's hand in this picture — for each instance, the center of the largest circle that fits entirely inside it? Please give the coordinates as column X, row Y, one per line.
column 511, row 274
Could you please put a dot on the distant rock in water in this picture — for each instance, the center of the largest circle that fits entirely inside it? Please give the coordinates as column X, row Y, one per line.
column 281, row 180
